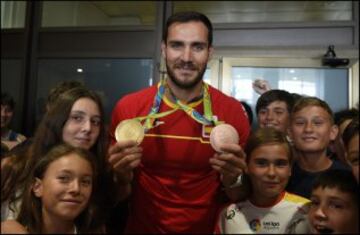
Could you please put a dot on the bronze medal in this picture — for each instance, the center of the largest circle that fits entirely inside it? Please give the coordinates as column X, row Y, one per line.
column 223, row 133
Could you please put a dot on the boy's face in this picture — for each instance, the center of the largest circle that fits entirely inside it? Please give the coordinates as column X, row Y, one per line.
column 333, row 211
column 311, row 129
column 274, row 115
column 269, row 171
column 6, row 116
column 353, row 155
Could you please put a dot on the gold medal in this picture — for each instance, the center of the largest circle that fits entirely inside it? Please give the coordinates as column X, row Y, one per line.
column 129, row 129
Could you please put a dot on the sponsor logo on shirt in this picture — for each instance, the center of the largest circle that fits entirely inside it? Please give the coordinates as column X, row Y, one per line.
column 230, row 214
column 255, row 225
column 270, row 225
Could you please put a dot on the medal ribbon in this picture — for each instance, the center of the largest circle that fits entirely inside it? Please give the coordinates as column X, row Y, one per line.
column 207, row 119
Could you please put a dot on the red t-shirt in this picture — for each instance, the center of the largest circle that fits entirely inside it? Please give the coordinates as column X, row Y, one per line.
column 175, row 189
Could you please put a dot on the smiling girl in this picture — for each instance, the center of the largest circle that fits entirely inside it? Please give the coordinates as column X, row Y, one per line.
column 269, row 208
column 59, row 193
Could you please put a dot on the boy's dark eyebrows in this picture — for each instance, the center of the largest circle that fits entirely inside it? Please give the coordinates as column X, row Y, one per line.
column 339, row 198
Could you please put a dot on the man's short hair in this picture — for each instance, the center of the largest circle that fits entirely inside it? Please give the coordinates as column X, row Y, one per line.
column 188, row 16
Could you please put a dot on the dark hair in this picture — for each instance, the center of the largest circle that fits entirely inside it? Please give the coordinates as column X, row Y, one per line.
column 275, row 95
column 260, row 137
column 248, row 111
column 344, row 115
column 350, row 131
column 296, row 97
column 4, row 149
column 49, row 134
column 312, row 101
column 267, row 135
column 59, row 89
column 7, row 99
column 31, row 208
column 188, row 16
column 343, row 180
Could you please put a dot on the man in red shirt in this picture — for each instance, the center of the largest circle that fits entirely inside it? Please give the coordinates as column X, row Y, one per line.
column 174, row 177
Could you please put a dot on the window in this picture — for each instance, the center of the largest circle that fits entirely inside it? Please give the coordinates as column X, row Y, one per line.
column 98, row 13
column 12, row 83
column 13, row 14
column 330, row 85
column 111, row 78
column 269, row 11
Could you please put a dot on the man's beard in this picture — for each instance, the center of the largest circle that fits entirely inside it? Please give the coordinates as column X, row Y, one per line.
column 181, row 84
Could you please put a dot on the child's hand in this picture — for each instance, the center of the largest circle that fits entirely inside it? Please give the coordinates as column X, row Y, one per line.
column 261, row 86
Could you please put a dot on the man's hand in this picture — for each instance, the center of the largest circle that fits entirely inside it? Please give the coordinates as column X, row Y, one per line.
column 124, row 156
column 230, row 163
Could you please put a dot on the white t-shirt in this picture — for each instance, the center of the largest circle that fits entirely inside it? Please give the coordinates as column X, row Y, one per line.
column 289, row 215
column 8, row 213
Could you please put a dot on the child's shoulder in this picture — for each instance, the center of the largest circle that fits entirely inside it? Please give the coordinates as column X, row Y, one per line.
column 12, row 226
column 294, row 198
column 338, row 165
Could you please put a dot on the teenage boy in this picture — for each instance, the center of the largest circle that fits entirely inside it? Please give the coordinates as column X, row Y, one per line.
column 311, row 130
column 273, row 109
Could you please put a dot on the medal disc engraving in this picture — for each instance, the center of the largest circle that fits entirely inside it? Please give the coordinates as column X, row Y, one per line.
column 223, row 133
column 129, row 129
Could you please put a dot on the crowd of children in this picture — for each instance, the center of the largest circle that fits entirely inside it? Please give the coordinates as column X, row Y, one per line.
column 284, row 178
column 293, row 185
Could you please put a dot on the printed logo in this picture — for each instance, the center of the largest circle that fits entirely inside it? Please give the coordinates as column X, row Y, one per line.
column 255, row 225
column 230, row 214
column 271, row 225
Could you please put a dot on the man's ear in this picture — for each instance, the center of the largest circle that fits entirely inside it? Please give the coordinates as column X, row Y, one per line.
column 211, row 52
column 163, row 48
column 37, row 187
